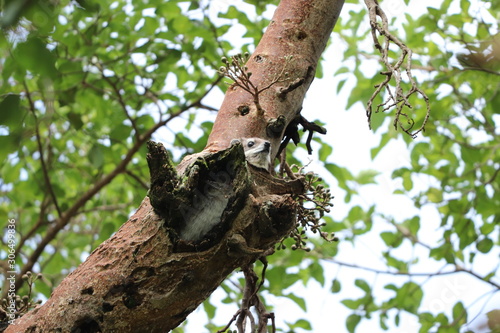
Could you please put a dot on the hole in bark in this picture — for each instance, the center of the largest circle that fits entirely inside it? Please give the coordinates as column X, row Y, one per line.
column 132, row 298
column 86, row 325
column 106, row 307
column 88, row 291
column 132, row 301
column 115, row 290
column 129, row 294
column 243, row 109
column 301, row 35
column 258, row 58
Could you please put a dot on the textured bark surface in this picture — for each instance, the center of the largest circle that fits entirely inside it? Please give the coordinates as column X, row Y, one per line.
column 135, row 281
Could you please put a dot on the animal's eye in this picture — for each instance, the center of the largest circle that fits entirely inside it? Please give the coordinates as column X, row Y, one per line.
column 250, row 143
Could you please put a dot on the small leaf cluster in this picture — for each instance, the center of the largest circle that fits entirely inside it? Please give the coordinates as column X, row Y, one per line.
column 236, row 70
column 22, row 303
column 311, row 208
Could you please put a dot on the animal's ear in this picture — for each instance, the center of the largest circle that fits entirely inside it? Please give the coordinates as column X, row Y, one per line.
column 235, row 141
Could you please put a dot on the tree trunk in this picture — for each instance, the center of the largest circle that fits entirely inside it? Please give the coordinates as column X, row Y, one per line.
column 144, row 279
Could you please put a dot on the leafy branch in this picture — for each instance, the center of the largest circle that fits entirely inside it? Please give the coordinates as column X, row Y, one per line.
column 66, row 216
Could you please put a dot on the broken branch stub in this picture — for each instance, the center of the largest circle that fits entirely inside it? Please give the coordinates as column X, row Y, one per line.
column 200, row 205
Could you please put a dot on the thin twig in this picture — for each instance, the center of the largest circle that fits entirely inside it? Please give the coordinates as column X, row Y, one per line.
column 45, row 171
column 378, row 271
column 120, row 100
column 400, row 99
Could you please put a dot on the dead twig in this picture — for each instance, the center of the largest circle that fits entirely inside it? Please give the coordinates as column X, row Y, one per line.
column 398, row 98
column 292, row 133
column 252, row 299
column 237, row 71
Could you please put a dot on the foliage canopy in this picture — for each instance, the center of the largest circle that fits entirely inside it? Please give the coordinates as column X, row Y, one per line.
column 85, row 84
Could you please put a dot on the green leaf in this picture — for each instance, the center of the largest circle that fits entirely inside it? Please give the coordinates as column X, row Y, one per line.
column 367, row 177
column 362, row 93
column 414, row 225
column 386, row 137
column 485, row 245
column 341, row 85
column 459, row 314
column 209, row 309
column 319, row 71
column 467, row 234
column 8, row 145
column 351, row 322
column 377, row 120
column 12, row 11
column 75, row 120
column 400, row 265
column 96, row 156
column 445, row 251
column 10, row 172
column 301, row 323
column 341, row 174
column 298, row 300
column 107, row 230
column 407, row 182
column 120, row 132
column 487, row 228
column 11, row 115
column 336, row 286
column 324, row 151
column 409, row 296
column 279, row 279
column 405, row 174
column 44, row 62
column 363, row 285
column 390, row 238
column 317, row 272
column 91, row 6
column 351, row 303
column 342, row 70
column 435, row 195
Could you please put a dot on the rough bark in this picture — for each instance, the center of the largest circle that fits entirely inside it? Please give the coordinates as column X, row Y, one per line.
column 141, row 279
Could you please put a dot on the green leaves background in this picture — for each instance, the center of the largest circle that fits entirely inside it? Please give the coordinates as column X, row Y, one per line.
column 84, row 84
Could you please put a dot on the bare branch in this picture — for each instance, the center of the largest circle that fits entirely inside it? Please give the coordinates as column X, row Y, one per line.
column 457, row 269
column 119, row 98
column 137, row 179
column 41, row 152
column 237, row 71
column 398, row 98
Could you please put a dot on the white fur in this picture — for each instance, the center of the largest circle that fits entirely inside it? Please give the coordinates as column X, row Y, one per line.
column 258, row 152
